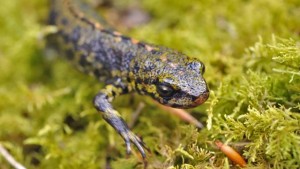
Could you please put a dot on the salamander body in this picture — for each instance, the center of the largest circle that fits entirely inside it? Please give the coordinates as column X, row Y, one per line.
column 125, row 65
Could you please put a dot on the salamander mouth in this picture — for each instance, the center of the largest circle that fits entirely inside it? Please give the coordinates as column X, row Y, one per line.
column 197, row 101
column 201, row 99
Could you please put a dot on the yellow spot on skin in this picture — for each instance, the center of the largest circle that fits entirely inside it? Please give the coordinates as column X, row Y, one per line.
column 173, row 65
column 118, row 39
column 98, row 25
column 150, row 88
column 90, row 58
column 163, row 57
column 140, row 86
column 117, row 33
column 80, row 15
column 134, row 41
column 149, row 48
column 99, row 65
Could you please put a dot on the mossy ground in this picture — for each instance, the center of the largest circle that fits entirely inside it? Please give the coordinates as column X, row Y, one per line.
column 252, row 54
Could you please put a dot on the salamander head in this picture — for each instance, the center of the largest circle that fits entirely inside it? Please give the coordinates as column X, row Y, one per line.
column 172, row 79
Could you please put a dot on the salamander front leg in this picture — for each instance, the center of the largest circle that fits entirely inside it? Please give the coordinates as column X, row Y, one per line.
column 102, row 103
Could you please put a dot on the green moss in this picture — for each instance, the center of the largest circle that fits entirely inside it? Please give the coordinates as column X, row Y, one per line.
column 252, row 54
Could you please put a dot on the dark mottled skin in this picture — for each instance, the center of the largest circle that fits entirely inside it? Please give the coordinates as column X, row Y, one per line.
column 125, row 65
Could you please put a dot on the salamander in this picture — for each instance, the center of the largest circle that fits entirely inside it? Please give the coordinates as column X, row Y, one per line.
column 125, row 65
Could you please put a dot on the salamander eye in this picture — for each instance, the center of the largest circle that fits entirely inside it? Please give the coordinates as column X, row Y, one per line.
column 197, row 66
column 165, row 90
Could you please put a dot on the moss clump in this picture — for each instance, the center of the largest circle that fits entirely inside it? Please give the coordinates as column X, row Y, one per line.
column 252, row 54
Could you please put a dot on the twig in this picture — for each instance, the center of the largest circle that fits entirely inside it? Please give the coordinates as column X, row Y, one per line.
column 10, row 158
column 286, row 71
column 184, row 115
column 136, row 114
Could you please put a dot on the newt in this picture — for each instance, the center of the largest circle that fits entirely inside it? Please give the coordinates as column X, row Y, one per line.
column 125, row 65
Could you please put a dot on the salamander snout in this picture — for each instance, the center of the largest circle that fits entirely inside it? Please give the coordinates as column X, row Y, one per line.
column 202, row 98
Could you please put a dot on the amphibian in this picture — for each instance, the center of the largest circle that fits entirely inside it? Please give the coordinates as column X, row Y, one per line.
column 125, row 65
